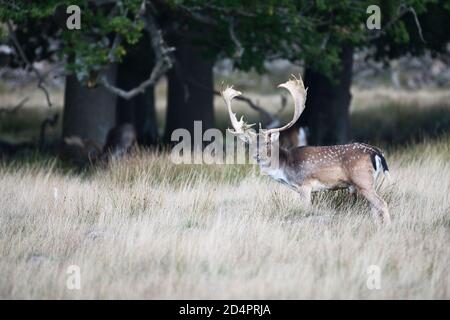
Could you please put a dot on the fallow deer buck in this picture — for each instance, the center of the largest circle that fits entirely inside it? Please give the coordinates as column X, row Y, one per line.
column 307, row 169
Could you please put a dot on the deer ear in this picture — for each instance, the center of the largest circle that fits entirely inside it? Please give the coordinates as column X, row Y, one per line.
column 274, row 137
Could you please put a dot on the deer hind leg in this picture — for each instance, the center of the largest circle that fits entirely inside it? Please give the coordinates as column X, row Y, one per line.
column 378, row 206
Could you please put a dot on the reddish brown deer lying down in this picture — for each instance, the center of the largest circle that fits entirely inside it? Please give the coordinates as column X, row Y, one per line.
column 119, row 142
column 353, row 166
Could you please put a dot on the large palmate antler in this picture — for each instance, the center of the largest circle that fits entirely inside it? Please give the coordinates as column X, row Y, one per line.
column 240, row 127
column 298, row 92
column 296, row 89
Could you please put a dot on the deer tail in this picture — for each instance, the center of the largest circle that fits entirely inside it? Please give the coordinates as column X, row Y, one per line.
column 380, row 164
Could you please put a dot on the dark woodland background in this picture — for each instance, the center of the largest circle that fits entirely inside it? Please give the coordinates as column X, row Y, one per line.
column 112, row 65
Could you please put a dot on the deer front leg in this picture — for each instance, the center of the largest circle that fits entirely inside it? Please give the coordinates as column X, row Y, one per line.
column 305, row 194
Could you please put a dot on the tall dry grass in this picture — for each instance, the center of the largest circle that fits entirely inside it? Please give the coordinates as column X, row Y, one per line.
column 146, row 228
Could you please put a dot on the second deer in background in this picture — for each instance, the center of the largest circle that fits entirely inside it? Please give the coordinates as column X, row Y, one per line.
column 119, row 142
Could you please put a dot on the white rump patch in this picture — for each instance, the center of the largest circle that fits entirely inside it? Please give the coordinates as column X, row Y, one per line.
column 378, row 167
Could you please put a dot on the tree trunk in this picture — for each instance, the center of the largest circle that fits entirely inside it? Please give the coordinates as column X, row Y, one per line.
column 327, row 107
column 89, row 113
column 140, row 110
column 190, row 91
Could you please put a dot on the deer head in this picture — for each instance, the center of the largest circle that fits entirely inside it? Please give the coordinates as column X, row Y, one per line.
column 262, row 142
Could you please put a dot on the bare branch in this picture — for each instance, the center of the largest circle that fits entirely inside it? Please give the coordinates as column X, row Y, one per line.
column 416, row 19
column 230, row 11
column 267, row 116
column 116, row 43
column 15, row 108
column 118, row 39
column 41, row 79
column 401, row 11
column 195, row 14
column 239, row 48
column 163, row 60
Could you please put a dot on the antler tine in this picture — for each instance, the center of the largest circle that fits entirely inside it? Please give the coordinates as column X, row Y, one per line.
column 229, row 94
column 298, row 92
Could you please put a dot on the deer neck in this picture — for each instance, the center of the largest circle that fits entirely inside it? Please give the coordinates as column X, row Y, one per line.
column 277, row 171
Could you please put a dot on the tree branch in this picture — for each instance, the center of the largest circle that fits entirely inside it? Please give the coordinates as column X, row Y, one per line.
column 416, row 20
column 267, row 116
column 15, row 108
column 239, row 48
column 401, row 11
column 163, row 60
column 41, row 79
column 195, row 14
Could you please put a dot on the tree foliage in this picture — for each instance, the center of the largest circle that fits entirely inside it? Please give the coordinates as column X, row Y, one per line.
column 250, row 32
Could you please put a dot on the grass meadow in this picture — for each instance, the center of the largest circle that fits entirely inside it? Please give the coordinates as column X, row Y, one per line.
column 147, row 228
